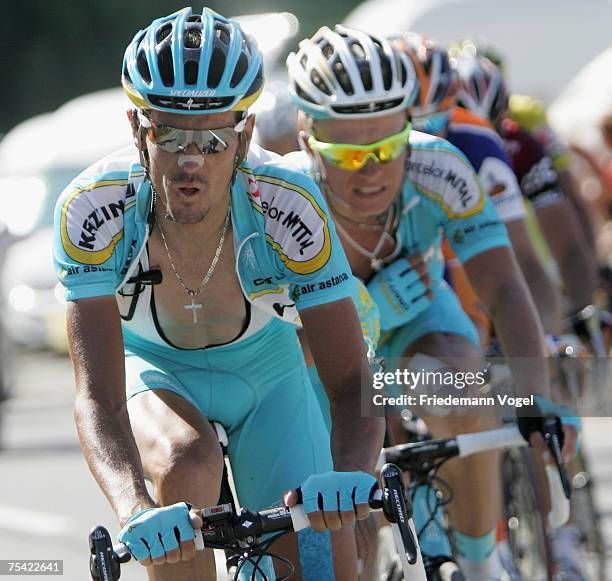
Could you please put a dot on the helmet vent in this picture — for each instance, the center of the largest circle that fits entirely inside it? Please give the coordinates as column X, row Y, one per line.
column 366, row 76
column 342, row 77
column 163, row 32
column 191, row 72
column 357, row 50
column 302, row 94
column 241, row 68
column 327, row 50
column 404, row 73
column 367, row 107
column 439, row 93
column 143, row 67
column 217, row 65
column 166, row 69
column 222, row 34
column 193, row 38
column 385, row 65
column 315, row 77
column 476, row 86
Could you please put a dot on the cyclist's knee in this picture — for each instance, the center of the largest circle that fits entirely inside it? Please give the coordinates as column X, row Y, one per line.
column 189, row 468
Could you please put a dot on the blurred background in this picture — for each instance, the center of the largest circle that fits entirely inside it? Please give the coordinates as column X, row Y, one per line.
column 61, row 109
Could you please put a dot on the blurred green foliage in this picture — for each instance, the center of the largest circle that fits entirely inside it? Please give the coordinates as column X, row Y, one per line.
column 55, row 50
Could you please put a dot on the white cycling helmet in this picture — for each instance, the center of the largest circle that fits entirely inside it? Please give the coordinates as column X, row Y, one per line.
column 348, row 74
column 482, row 89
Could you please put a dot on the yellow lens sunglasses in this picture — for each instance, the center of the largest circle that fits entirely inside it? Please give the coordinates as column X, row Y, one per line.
column 352, row 157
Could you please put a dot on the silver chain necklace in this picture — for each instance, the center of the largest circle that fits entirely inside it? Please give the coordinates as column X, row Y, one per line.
column 194, row 293
column 376, row 262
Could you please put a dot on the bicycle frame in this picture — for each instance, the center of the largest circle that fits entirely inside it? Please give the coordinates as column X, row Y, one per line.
column 226, row 527
column 419, row 459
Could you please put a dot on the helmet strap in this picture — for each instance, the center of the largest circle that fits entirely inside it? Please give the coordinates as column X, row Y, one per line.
column 140, row 135
column 141, row 143
column 241, row 150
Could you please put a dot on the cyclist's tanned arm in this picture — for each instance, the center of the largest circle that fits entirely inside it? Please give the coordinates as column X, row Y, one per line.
column 336, row 343
column 500, row 285
column 571, row 251
column 96, row 348
column 545, row 294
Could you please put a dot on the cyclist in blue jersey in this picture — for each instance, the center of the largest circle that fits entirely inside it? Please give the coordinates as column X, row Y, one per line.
column 393, row 192
column 435, row 112
column 483, row 90
column 183, row 260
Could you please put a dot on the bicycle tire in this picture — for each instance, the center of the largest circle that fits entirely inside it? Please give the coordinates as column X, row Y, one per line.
column 389, row 567
column 588, row 522
column 445, row 570
column 525, row 515
column 388, row 563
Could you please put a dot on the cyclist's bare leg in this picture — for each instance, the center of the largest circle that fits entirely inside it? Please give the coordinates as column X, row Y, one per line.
column 344, row 551
column 475, row 480
column 181, row 455
column 366, row 535
column 346, row 546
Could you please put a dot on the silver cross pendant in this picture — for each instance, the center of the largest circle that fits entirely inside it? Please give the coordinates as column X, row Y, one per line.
column 193, row 306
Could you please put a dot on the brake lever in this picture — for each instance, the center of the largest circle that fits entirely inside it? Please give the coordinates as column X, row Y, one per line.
column 397, row 510
column 552, row 431
column 104, row 562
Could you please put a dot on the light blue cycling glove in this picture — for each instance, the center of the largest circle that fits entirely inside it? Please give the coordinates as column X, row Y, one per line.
column 333, row 491
column 400, row 294
column 567, row 416
column 154, row 528
column 529, row 419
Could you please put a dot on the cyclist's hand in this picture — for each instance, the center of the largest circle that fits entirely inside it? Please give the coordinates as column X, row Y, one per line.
column 529, row 425
column 402, row 290
column 162, row 535
column 334, row 499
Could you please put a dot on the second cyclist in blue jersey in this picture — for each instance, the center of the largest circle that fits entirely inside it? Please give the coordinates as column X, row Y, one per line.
column 393, row 193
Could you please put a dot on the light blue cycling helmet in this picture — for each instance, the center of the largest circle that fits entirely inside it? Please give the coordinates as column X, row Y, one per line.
column 193, row 64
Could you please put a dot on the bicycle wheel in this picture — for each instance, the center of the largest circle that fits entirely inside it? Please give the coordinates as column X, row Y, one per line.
column 390, row 568
column 388, row 562
column 588, row 522
column 444, row 569
column 525, row 514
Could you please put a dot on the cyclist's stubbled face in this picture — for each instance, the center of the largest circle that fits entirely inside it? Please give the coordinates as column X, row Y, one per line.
column 190, row 181
column 368, row 191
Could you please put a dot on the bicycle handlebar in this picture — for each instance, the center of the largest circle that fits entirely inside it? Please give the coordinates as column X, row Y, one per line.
column 421, row 455
column 224, row 528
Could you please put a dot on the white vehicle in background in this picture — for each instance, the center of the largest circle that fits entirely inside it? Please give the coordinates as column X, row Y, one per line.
column 38, row 159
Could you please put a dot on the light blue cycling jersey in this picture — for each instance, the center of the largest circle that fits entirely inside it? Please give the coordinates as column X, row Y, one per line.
column 288, row 259
column 284, row 241
column 441, row 195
